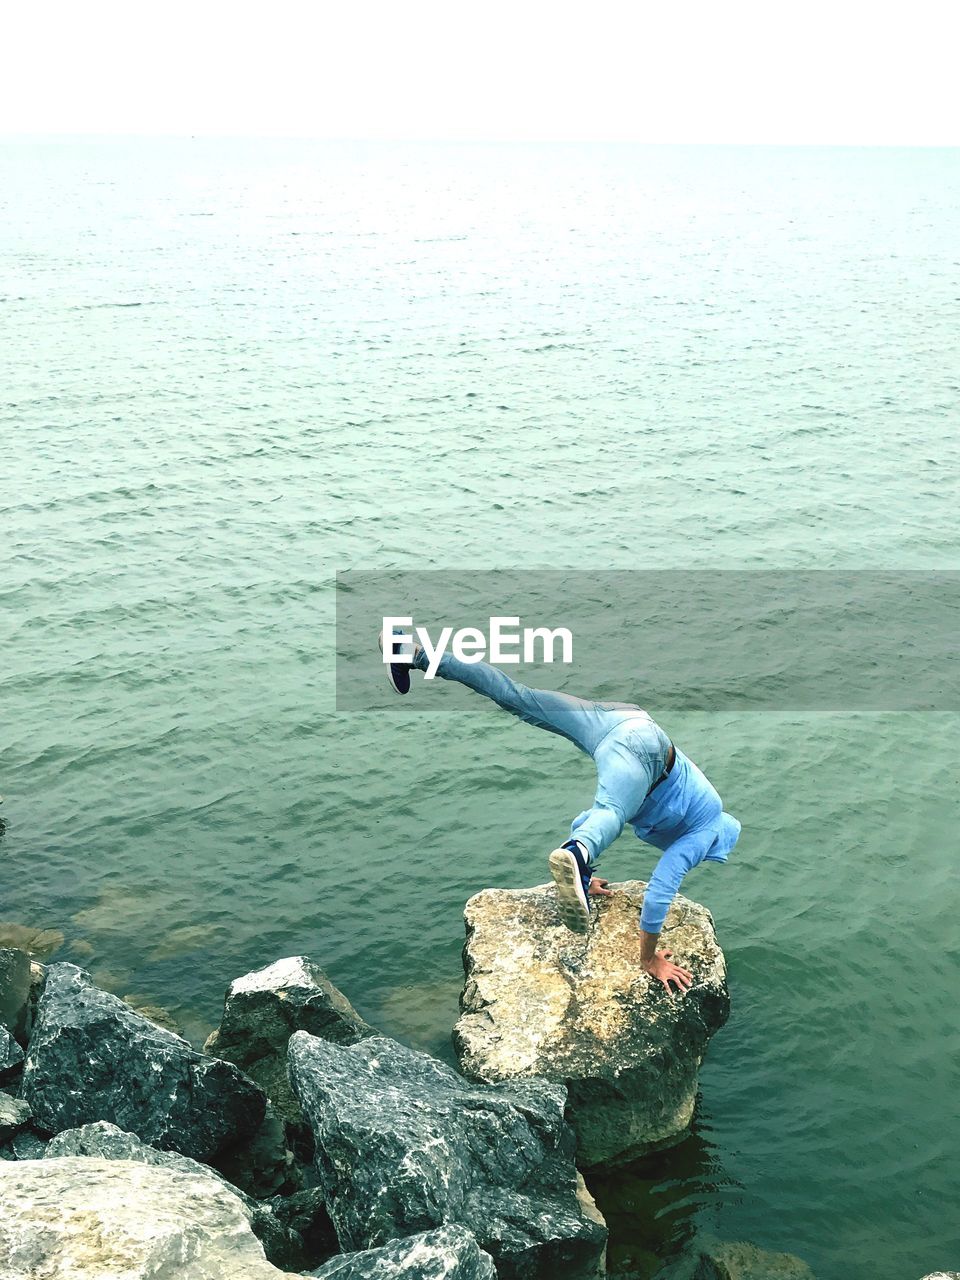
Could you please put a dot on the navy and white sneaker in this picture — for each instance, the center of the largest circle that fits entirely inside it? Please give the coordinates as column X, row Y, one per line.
column 572, row 875
column 398, row 673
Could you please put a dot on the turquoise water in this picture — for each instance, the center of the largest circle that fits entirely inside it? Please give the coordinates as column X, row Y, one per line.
column 235, row 368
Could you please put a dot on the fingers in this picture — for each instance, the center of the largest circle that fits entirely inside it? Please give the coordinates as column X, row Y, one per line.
column 682, row 977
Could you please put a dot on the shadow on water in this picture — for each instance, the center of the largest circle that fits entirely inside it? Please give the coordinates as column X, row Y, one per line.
column 653, row 1205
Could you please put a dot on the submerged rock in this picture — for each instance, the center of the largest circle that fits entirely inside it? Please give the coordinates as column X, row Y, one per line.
column 15, row 993
column 39, row 944
column 449, row 1253
column 283, row 1243
column 109, row 1218
column 91, row 1057
column 263, row 1009
column 404, row 1144
column 541, row 1001
column 711, row 1259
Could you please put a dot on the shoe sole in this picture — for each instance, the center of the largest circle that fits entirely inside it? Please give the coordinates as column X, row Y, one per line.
column 398, row 673
column 399, row 676
column 571, row 900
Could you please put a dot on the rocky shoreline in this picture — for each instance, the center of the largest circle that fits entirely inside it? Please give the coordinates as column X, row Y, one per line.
column 300, row 1141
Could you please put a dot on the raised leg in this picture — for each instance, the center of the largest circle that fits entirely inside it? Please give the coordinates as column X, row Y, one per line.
column 582, row 723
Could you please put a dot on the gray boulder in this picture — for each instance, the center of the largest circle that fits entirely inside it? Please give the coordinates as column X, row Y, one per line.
column 449, row 1253
column 14, row 1116
column 24, row 1145
column 15, row 992
column 264, row 1008
column 91, row 1057
column 11, row 1056
column 541, row 1001
column 282, row 1243
column 404, row 1145
column 109, row 1218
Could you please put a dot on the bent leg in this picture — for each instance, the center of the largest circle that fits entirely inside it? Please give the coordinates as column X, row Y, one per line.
column 583, row 723
column 623, row 781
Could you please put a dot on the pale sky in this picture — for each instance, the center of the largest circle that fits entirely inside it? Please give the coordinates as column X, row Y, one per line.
column 741, row 71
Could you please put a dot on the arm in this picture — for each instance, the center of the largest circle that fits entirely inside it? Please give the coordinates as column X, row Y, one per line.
column 676, row 861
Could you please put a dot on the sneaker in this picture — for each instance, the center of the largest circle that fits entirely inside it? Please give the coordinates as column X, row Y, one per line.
column 571, row 874
column 398, row 673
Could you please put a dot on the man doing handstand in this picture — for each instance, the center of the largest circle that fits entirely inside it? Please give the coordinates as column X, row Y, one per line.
column 642, row 778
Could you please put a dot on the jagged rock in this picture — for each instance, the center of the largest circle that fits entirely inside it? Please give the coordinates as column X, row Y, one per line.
column 711, row 1259
column 11, row 1055
column 541, row 1001
column 263, row 1009
column 262, row 1165
column 15, row 992
column 85, row 1218
column 91, row 1057
column 305, row 1214
column 449, row 1253
column 25, row 1145
column 282, row 1242
column 14, row 1116
column 404, row 1144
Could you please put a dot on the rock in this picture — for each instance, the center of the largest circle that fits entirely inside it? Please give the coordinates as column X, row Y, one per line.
column 86, row 1218
column 449, row 1253
column 305, row 1214
column 11, row 1056
column 25, row 1145
column 282, row 1241
column 263, row 1009
column 404, row 1144
column 91, row 1057
column 15, row 992
column 14, row 1115
column 711, row 1259
column 39, row 944
column 262, row 1165
column 541, row 1001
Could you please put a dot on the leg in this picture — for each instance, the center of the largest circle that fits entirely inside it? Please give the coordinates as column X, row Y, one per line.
column 583, row 723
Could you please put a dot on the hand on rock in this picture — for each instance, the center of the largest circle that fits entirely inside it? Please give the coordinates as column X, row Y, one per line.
column 599, row 888
column 664, row 970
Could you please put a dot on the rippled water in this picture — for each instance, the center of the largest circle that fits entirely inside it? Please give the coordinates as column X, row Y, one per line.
column 234, row 368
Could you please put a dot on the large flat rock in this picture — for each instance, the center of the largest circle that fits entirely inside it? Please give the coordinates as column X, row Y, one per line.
column 79, row 1219
column 282, row 1244
column 404, row 1145
column 539, row 1000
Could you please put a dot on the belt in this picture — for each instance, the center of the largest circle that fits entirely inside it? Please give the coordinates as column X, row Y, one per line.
column 671, row 761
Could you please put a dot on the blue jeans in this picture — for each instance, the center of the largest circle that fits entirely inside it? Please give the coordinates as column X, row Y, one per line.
column 682, row 815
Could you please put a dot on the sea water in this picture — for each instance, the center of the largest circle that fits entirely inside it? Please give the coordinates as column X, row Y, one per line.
column 233, row 368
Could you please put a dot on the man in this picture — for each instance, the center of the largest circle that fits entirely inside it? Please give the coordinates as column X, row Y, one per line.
column 642, row 778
